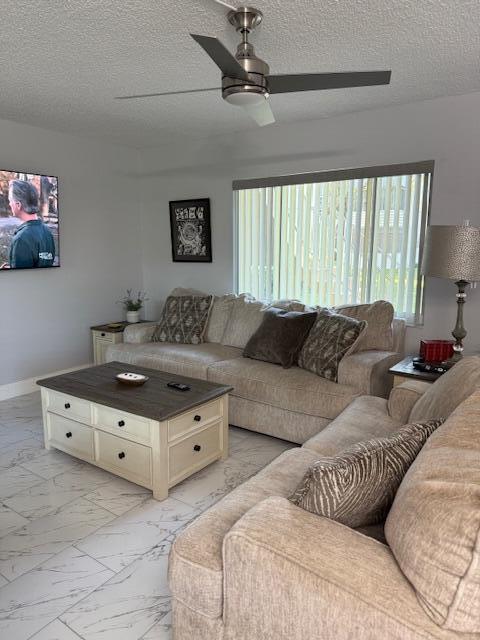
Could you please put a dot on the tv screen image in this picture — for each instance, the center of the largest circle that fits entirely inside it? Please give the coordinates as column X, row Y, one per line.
column 29, row 229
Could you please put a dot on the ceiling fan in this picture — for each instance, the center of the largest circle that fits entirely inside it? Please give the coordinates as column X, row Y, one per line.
column 246, row 79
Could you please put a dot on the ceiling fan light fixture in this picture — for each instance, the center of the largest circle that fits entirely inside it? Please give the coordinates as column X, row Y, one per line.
column 244, row 99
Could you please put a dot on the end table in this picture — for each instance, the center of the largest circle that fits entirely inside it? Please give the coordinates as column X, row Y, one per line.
column 405, row 369
column 104, row 335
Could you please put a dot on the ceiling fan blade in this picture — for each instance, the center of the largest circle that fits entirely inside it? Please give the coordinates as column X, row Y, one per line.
column 166, row 93
column 261, row 113
column 318, row 81
column 222, row 57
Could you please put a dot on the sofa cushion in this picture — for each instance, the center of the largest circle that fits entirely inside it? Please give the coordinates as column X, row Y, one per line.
column 280, row 336
column 184, row 319
column 331, row 337
column 448, row 391
column 182, row 359
column 403, row 396
column 433, row 527
column 245, row 318
column 293, row 389
column 379, row 318
column 288, row 304
column 196, row 565
column 219, row 316
column 366, row 417
column 357, row 487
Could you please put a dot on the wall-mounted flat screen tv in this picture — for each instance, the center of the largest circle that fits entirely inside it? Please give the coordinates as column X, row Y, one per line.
column 29, row 236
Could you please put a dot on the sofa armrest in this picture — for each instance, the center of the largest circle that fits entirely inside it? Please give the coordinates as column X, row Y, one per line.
column 139, row 333
column 292, row 575
column 403, row 398
column 367, row 371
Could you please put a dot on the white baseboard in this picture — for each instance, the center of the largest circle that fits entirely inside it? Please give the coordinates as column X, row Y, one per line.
column 29, row 385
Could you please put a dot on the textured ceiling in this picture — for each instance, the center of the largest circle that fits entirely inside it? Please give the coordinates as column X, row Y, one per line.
column 63, row 62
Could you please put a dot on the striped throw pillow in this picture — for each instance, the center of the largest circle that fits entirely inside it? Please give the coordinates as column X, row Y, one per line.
column 358, row 486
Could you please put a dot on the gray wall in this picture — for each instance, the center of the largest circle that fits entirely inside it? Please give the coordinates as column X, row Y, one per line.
column 45, row 315
column 446, row 130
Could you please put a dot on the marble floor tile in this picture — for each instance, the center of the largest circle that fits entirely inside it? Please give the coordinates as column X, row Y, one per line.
column 24, row 411
column 119, row 496
column 258, row 449
column 21, row 452
column 122, row 541
column 207, row 486
column 32, row 601
column 126, row 606
column 235, row 433
column 44, row 498
column 162, row 630
column 39, row 540
column 52, row 464
column 12, row 435
column 56, row 630
column 10, row 520
column 16, row 479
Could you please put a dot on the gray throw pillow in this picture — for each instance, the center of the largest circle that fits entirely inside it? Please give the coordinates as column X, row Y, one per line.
column 280, row 336
column 330, row 338
column 184, row 319
column 357, row 487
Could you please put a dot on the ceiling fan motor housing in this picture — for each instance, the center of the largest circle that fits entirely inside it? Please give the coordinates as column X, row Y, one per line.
column 245, row 19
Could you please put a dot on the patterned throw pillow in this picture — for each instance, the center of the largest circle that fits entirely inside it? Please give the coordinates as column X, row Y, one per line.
column 184, row 319
column 358, row 486
column 330, row 338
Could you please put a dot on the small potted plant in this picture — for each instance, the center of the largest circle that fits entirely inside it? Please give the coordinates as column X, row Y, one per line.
column 132, row 304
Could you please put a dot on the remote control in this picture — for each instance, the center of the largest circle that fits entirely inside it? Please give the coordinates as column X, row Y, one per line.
column 178, row 385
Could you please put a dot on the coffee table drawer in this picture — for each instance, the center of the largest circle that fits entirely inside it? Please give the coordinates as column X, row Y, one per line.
column 194, row 419
column 122, row 422
column 128, row 459
column 68, row 406
column 71, row 437
column 194, row 452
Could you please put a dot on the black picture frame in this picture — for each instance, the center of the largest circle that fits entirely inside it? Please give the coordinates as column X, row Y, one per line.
column 190, row 229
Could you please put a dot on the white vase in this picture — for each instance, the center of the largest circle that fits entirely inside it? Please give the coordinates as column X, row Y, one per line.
column 133, row 316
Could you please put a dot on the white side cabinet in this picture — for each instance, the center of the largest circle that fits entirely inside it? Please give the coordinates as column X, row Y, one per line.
column 102, row 338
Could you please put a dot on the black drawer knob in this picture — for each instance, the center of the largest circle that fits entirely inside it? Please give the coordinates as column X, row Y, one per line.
column 67, row 405
column 121, row 455
column 69, row 434
column 103, row 335
column 121, row 423
column 197, row 418
column 197, row 447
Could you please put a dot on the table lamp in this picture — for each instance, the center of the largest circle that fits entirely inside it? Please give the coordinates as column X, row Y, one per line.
column 453, row 252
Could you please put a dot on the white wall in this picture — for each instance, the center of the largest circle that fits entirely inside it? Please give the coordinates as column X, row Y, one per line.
column 446, row 130
column 45, row 314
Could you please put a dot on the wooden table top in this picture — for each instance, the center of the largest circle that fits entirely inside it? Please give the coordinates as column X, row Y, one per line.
column 406, row 369
column 122, row 325
column 153, row 400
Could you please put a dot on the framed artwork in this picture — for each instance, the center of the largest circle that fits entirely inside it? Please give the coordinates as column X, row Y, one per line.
column 190, row 230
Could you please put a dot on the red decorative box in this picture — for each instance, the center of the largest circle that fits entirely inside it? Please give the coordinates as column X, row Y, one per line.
column 436, row 350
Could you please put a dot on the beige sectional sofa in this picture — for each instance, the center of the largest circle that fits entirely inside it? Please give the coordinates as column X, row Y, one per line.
column 256, row 567
column 292, row 404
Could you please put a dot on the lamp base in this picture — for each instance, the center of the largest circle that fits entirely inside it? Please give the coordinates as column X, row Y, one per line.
column 459, row 331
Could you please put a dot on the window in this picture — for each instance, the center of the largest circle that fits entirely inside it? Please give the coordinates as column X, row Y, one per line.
column 350, row 236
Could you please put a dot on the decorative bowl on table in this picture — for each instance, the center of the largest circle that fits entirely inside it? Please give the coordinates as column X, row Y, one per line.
column 131, row 379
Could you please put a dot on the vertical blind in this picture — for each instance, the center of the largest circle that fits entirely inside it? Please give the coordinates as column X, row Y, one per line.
column 335, row 242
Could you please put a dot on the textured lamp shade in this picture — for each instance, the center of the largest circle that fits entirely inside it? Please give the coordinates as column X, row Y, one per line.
column 452, row 252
